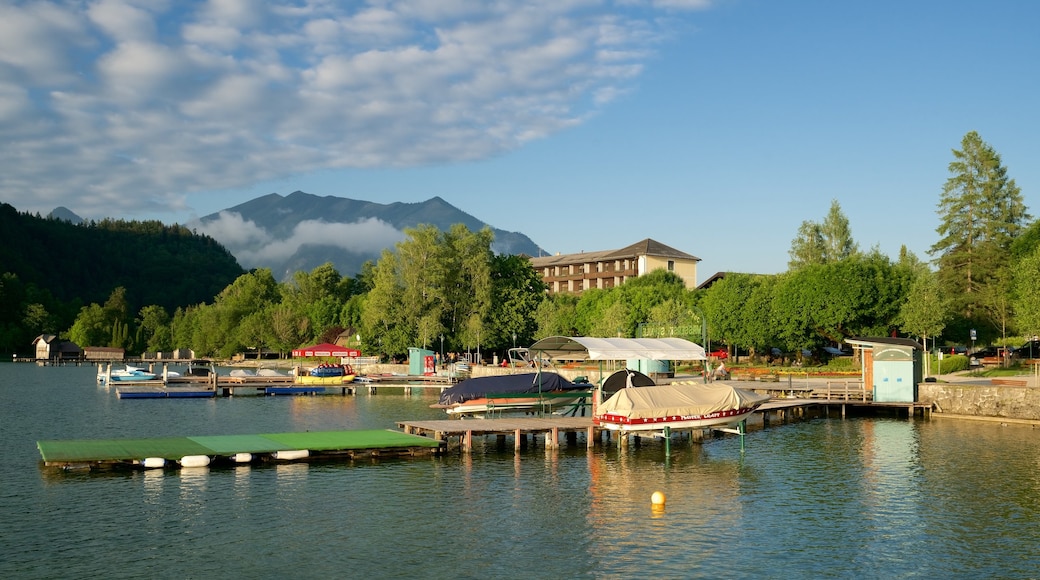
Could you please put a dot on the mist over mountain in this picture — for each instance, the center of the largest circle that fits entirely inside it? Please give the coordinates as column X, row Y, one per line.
column 301, row 231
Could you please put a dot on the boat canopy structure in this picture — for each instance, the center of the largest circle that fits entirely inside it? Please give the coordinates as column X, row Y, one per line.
column 582, row 348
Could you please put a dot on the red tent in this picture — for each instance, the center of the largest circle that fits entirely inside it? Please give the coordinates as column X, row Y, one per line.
column 326, row 349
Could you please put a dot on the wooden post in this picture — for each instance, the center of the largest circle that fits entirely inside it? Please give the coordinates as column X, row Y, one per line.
column 467, row 442
column 516, row 440
column 590, row 437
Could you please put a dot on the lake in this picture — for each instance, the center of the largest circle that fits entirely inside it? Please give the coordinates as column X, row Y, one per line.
column 871, row 498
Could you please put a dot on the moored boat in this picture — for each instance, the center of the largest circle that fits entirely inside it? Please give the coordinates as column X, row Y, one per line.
column 127, row 374
column 677, row 406
column 520, row 393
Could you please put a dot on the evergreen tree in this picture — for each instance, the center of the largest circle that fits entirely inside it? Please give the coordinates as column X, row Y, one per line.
column 981, row 213
column 823, row 243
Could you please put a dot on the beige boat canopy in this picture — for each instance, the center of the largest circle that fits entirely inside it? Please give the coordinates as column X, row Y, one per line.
column 582, row 348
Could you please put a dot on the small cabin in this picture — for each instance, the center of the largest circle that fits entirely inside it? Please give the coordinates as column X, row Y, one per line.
column 892, row 367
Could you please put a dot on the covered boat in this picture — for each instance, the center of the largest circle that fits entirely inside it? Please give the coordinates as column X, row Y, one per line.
column 527, row 392
column 677, row 406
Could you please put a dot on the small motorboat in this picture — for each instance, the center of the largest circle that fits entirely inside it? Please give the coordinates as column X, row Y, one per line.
column 129, row 373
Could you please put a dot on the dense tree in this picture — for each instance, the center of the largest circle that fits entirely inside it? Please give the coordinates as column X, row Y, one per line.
column 91, row 327
column 382, row 317
column 517, row 290
column 153, row 329
column 467, row 287
column 557, row 316
column 824, row 304
column 925, row 311
column 251, row 292
column 981, row 212
column 433, row 284
column 823, row 243
column 738, row 308
column 1025, row 297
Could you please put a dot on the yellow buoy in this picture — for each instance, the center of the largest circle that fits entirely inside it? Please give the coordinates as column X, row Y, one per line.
column 657, row 499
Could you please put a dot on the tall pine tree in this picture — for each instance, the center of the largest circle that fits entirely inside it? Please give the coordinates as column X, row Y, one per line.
column 981, row 213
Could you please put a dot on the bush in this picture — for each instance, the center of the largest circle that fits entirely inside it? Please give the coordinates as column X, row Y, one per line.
column 842, row 363
column 950, row 364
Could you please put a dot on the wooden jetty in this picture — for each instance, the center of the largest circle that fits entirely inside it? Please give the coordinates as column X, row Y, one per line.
column 233, row 449
column 423, row 437
column 550, row 427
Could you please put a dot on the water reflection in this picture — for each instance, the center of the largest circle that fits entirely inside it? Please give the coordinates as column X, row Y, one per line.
column 823, row 498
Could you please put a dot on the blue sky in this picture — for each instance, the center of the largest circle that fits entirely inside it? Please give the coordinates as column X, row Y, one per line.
column 713, row 126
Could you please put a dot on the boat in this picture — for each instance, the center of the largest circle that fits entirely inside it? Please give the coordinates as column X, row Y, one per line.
column 519, row 393
column 326, row 374
column 677, row 406
column 129, row 373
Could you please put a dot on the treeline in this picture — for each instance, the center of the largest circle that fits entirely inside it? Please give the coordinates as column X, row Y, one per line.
column 447, row 291
column 51, row 268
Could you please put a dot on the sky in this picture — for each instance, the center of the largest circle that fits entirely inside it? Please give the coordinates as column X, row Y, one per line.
column 716, row 127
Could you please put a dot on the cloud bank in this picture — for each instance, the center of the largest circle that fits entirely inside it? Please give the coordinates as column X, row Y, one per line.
column 132, row 104
column 254, row 247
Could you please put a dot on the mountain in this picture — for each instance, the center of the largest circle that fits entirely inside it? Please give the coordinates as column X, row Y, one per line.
column 301, row 231
column 65, row 214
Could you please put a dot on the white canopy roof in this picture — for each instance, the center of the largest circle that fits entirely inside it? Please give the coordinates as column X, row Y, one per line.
column 587, row 348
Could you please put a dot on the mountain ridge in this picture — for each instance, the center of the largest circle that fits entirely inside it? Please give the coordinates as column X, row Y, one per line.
column 355, row 231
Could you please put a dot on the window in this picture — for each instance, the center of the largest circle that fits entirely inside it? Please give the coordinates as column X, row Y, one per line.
column 671, row 265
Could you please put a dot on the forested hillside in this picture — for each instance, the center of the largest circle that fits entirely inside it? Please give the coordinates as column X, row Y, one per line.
column 51, row 267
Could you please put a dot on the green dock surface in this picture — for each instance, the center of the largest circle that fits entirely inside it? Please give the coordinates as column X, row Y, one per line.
column 116, row 450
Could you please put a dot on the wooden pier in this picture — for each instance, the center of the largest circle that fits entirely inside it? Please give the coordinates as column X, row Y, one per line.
column 550, row 427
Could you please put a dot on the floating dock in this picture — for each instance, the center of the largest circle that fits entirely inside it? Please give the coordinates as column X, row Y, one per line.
column 233, row 449
column 161, row 391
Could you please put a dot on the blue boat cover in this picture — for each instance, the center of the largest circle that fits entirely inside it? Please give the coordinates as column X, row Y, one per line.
column 481, row 387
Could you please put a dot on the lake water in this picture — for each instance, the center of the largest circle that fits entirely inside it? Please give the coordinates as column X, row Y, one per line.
column 869, row 498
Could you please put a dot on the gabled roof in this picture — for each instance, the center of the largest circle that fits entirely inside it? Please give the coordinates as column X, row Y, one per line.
column 645, row 247
column 650, row 247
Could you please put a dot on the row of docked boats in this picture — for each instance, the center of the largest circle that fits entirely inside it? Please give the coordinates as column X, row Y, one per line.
column 634, row 403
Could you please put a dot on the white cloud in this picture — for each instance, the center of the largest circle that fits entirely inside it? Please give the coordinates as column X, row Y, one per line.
column 122, row 21
column 253, row 245
column 128, row 104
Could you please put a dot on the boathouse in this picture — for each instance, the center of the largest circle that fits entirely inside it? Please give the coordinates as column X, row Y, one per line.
column 50, row 348
column 103, row 353
column 892, row 367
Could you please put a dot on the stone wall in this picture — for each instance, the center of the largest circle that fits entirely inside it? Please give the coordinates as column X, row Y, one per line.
column 1012, row 402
